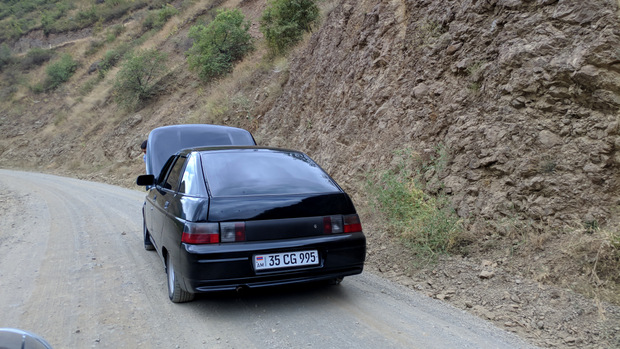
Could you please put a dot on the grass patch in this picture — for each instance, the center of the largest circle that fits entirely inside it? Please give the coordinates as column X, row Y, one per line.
column 425, row 223
column 426, row 33
column 156, row 19
column 596, row 251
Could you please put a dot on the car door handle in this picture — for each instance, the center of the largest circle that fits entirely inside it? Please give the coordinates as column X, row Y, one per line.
column 166, row 205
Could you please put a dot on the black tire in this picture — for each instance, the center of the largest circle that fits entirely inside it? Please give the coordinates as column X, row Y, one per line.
column 148, row 245
column 175, row 292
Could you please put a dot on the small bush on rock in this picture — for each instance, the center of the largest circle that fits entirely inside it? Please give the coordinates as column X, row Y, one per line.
column 425, row 223
column 284, row 22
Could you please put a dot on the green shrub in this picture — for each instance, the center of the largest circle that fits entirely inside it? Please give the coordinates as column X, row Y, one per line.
column 113, row 32
column 88, row 16
column 95, row 14
column 220, row 44
column 6, row 57
column 49, row 18
column 12, row 28
column 38, row 88
column 284, row 22
column 35, row 57
column 424, row 222
column 20, row 8
column 94, row 46
column 111, row 58
column 157, row 19
column 18, row 17
column 60, row 71
column 139, row 77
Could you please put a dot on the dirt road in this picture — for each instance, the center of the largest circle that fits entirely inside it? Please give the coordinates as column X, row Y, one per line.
column 73, row 270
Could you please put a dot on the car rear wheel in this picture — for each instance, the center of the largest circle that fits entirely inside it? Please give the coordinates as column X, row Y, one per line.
column 148, row 245
column 175, row 292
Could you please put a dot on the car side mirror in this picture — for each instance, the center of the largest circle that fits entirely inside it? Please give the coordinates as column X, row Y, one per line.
column 145, row 180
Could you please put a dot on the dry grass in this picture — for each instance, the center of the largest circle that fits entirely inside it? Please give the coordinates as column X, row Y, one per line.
column 597, row 254
column 239, row 98
column 577, row 256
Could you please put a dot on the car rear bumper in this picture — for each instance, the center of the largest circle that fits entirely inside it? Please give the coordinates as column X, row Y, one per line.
column 206, row 268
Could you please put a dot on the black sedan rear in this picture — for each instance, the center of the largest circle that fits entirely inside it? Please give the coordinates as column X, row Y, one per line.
column 224, row 218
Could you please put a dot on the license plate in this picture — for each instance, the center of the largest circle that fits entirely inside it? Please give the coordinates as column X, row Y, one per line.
column 285, row 260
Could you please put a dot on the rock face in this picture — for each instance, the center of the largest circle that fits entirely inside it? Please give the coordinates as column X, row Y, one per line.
column 523, row 97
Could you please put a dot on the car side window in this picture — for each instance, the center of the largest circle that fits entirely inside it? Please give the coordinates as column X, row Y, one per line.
column 172, row 180
column 192, row 182
column 164, row 171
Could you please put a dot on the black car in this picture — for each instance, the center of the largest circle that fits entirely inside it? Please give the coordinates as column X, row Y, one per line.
column 223, row 218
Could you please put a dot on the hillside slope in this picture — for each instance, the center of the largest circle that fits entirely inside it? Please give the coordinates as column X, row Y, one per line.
column 523, row 96
column 510, row 108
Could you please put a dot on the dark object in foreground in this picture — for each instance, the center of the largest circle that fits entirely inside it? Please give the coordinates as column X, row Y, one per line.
column 12, row 338
column 223, row 218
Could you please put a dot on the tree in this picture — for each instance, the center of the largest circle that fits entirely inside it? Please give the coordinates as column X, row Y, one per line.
column 138, row 79
column 220, row 44
column 284, row 22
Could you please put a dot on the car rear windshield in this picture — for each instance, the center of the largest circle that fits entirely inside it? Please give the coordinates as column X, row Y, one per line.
column 264, row 172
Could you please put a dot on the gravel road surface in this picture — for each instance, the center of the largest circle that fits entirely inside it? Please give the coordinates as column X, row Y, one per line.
column 73, row 270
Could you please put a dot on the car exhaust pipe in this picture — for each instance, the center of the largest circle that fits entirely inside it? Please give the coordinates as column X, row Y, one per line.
column 241, row 288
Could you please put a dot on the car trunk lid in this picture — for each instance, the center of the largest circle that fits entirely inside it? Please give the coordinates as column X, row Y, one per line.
column 279, row 217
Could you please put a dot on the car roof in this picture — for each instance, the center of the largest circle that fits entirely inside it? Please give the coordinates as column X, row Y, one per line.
column 166, row 141
column 236, row 148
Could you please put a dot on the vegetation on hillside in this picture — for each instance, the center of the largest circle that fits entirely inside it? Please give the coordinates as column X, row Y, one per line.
column 219, row 44
column 425, row 223
column 157, row 18
column 284, row 23
column 6, row 57
column 60, row 71
column 18, row 17
column 138, row 79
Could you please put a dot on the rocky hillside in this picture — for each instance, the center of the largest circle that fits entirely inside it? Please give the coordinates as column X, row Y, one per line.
column 521, row 99
column 522, row 95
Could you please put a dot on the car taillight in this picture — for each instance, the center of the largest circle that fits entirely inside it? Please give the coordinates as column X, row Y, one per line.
column 332, row 225
column 352, row 224
column 201, row 233
column 232, row 231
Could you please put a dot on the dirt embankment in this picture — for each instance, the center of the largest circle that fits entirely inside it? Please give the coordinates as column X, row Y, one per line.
column 523, row 96
column 520, row 101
